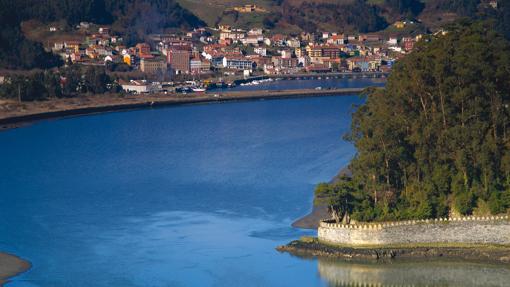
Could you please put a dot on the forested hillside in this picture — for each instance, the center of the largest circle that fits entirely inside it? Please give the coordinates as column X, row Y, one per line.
column 340, row 15
column 436, row 140
column 369, row 16
column 134, row 18
column 13, row 44
column 355, row 15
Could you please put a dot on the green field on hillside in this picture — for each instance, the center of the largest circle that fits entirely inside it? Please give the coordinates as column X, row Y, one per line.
column 213, row 11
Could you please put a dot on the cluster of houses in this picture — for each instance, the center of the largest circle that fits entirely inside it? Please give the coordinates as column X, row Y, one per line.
column 307, row 52
column 95, row 49
column 229, row 51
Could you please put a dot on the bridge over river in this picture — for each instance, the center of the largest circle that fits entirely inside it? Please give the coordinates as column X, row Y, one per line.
column 314, row 76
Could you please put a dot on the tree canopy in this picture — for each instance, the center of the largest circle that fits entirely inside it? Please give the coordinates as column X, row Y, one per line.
column 133, row 18
column 436, row 139
column 409, row 8
column 66, row 82
column 357, row 15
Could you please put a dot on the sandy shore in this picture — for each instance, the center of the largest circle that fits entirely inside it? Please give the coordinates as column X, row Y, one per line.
column 319, row 211
column 10, row 266
column 13, row 114
column 312, row 220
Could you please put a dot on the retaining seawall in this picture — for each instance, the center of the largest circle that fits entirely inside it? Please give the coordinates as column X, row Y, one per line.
column 35, row 111
column 465, row 230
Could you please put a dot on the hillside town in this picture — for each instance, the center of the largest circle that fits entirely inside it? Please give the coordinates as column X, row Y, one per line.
column 255, row 143
column 216, row 54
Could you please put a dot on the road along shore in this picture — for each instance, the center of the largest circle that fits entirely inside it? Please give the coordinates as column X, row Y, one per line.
column 15, row 114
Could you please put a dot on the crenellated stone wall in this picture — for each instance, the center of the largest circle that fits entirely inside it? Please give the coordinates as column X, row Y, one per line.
column 465, row 230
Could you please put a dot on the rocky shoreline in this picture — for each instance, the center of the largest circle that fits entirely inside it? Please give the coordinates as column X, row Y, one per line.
column 311, row 247
column 10, row 266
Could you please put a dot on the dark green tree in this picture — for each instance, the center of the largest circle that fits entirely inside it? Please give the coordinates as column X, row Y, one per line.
column 436, row 139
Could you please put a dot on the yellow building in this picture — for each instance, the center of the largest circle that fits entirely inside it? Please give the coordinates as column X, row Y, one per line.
column 73, row 45
column 127, row 59
column 399, row 24
column 314, row 51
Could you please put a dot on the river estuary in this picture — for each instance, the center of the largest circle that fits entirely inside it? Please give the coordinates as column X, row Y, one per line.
column 196, row 195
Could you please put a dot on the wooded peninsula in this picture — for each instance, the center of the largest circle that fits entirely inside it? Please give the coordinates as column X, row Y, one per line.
column 436, row 141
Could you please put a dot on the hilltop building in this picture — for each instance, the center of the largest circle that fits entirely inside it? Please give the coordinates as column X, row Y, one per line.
column 249, row 8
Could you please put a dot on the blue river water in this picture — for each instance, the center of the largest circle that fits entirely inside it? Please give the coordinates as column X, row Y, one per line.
column 196, row 195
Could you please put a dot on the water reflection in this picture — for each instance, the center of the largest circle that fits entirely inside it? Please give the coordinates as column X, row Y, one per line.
column 432, row 273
